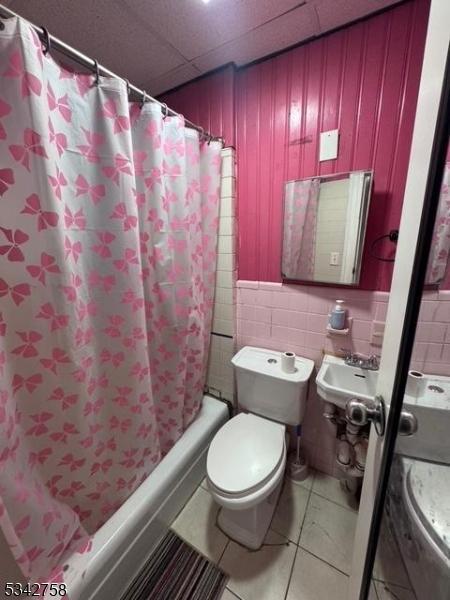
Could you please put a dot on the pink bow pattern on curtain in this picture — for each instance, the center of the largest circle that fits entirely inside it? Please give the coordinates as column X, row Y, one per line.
column 299, row 231
column 107, row 262
column 440, row 249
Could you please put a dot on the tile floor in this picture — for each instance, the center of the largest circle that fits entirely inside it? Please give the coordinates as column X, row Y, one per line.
column 312, row 529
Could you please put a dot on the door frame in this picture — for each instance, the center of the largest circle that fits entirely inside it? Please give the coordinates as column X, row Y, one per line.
column 426, row 167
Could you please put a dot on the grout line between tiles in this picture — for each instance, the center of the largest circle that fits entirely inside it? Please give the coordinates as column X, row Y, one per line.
column 392, row 583
column 223, row 552
column 374, row 587
column 324, row 561
column 298, row 539
column 185, row 504
column 234, row 593
column 353, row 510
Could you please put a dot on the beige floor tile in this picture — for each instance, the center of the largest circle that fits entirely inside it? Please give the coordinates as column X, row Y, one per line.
column 313, row 579
column 328, row 532
column 372, row 592
column 260, row 575
column 388, row 562
column 288, row 517
column 227, row 595
column 330, row 488
column 197, row 525
column 388, row 591
column 204, row 484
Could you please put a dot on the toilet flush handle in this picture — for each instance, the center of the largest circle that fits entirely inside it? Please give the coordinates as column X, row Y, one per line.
column 408, row 423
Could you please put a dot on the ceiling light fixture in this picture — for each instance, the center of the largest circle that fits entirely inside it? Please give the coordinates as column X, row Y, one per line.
column 205, row 1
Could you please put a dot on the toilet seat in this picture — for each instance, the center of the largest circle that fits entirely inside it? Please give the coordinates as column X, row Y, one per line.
column 246, row 460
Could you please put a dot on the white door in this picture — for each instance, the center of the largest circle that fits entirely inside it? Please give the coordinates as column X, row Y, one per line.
column 421, row 159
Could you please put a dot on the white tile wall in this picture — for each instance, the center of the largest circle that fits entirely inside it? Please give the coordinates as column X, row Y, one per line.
column 220, row 373
column 330, row 236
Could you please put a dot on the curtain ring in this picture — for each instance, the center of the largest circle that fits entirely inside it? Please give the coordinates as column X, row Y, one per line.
column 201, row 134
column 144, row 99
column 96, row 72
column 46, row 40
column 164, row 110
column 127, row 83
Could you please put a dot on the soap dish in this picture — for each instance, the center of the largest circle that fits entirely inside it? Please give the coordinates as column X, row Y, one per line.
column 346, row 331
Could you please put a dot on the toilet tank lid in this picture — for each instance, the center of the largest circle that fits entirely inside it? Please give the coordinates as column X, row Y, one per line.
column 268, row 362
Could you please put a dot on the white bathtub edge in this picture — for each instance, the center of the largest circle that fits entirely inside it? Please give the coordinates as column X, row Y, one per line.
column 148, row 511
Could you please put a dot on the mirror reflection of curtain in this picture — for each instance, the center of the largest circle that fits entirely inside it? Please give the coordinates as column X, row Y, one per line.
column 300, row 219
column 439, row 254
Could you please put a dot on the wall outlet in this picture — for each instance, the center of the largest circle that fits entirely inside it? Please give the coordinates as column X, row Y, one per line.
column 334, row 258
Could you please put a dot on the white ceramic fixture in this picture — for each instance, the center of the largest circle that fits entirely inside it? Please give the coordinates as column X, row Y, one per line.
column 429, row 402
column 427, row 397
column 247, row 457
column 337, row 382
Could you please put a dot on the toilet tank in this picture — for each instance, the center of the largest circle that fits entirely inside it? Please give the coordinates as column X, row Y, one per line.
column 264, row 389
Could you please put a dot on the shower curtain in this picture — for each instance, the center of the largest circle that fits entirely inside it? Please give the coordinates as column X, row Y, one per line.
column 299, row 232
column 108, row 227
column 440, row 249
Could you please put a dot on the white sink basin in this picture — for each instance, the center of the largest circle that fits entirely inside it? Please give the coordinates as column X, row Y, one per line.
column 429, row 402
column 337, row 382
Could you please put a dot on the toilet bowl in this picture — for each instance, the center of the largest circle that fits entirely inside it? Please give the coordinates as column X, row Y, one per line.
column 245, row 468
column 247, row 457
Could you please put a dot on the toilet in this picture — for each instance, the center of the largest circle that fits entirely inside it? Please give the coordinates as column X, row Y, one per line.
column 247, row 457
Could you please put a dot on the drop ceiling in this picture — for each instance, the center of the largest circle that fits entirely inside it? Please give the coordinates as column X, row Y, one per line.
column 160, row 44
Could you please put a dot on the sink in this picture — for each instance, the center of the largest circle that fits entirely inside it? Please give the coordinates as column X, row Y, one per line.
column 337, row 382
column 429, row 402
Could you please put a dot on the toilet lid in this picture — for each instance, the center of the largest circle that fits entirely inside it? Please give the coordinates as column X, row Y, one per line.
column 428, row 488
column 244, row 452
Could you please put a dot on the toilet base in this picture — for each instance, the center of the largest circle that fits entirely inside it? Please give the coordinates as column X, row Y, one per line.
column 249, row 526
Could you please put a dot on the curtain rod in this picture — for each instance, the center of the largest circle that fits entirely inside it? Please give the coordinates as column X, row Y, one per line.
column 93, row 66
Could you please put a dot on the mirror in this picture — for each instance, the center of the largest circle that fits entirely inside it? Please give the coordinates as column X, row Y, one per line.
column 438, row 272
column 324, row 227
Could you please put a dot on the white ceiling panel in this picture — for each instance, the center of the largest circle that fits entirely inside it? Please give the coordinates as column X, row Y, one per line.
column 106, row 31
column 172, row 79
column 160, row 44
column 278, row 34
column 337, row 13
column 195, row 28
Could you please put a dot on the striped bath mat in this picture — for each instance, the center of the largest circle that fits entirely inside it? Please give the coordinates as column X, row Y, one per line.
column 175, row 571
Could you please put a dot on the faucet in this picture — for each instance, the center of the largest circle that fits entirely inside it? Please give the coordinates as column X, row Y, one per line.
column 353, row 359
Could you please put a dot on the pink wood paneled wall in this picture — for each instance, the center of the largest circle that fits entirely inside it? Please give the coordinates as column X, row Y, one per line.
column 362, row 80
column 208, row 102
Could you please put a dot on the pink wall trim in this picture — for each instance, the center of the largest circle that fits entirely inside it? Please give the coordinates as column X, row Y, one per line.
column 289, row 317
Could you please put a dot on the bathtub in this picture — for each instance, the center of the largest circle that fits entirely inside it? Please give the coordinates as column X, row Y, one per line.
column 122, row 545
